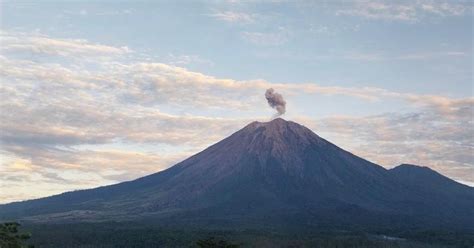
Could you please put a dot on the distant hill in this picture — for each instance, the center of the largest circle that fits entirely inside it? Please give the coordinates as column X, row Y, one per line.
column 276, row 174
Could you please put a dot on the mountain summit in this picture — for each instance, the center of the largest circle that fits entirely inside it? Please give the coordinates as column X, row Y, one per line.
column 276, row 173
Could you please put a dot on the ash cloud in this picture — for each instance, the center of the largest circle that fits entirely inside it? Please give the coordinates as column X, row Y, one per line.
column 276, row 101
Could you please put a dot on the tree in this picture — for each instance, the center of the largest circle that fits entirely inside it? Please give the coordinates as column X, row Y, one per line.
column 10, row 237
column 213, row 243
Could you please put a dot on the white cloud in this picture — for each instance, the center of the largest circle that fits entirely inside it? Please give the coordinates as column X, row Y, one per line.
column 234, row 17
column 116, row 12
column 50, row 109
column 85, row 13
column 375, row 57
column 184, row 60
column 16, row 42
column 439, row 134
column 402, row 11
column 443, row 9
column 274, row 38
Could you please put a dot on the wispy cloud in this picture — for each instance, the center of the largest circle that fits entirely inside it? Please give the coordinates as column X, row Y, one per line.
column 384, row 56
column 38, row 172
column 184, row 60
column 235, row 17
column 22, row 42
column 403, row 11
column 86, row 12
column 51, row 110
column 274, row 38
column 440, row 134
column 116, row 12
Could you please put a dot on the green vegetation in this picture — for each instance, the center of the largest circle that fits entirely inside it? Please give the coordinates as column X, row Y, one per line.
column 214, row 243
column 131, row 234
column 10, row 236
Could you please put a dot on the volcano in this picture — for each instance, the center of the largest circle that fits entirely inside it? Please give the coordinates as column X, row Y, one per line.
column 268, row 174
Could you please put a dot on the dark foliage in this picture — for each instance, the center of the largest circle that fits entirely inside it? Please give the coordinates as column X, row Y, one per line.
column 11, row 237
column 133, row 234
column 214, row 243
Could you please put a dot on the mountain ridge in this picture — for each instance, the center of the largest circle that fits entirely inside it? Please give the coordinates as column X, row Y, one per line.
column 278, row 167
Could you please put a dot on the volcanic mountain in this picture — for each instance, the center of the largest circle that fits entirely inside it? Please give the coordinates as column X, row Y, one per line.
column 276, row 173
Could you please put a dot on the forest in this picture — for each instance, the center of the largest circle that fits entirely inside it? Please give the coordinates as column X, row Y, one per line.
column 129, row 234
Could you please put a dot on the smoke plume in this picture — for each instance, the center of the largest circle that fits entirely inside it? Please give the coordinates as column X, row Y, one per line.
column 276, row 101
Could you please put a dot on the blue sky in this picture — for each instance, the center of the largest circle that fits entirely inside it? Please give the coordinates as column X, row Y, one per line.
column 104, row 91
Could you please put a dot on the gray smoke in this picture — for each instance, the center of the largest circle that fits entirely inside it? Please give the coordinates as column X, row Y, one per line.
column 276, row 101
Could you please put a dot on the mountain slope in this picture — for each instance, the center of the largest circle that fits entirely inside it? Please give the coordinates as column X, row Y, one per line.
column 277, row 172
column 438, row 196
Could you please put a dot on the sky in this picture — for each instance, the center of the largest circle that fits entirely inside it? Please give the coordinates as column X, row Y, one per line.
column 98, row 92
